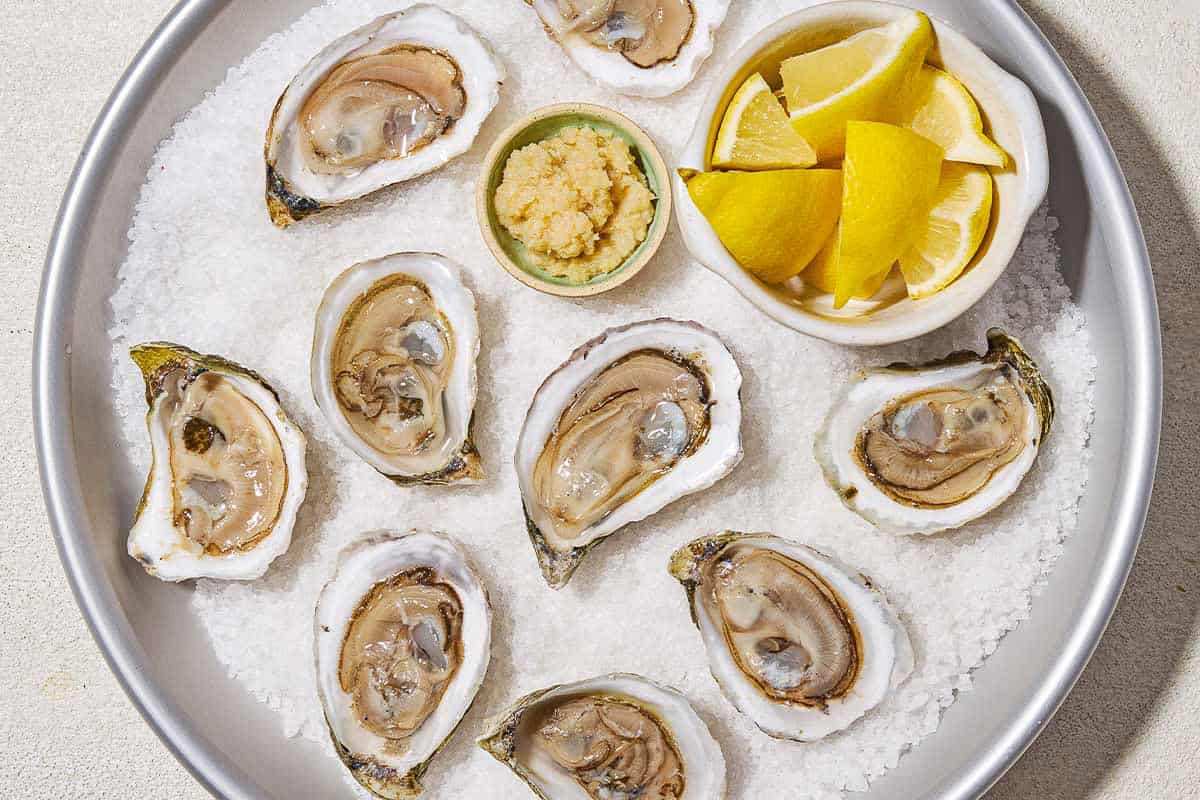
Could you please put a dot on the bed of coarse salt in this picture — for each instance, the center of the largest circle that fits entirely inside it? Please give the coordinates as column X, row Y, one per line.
column 206, row 269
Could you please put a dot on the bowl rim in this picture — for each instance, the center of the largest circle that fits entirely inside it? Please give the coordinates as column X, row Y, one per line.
column 869, row 329
column 659, row 224
column 96, row 598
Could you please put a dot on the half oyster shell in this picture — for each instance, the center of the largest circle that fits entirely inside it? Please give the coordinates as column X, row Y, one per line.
column 393, row 367
column 392, row 100
column 403, row 641
column 920, row 449
column 800, row 643
column 635, row 419
column 227, row 476
column 649, row 48
column 614, row 737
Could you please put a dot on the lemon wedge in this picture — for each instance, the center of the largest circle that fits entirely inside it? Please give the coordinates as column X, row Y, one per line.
column 756, row 133
column 952, row 233
column 943, row 111
column 821, row 272
column 866, row 76
column 891, row 176
column 771, row 222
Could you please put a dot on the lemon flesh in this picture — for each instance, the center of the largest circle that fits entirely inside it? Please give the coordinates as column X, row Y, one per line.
column 772, row 222
column 756, row 134
column 953, row 231
column 891, row 176
column 867, row 76
column 942, row 110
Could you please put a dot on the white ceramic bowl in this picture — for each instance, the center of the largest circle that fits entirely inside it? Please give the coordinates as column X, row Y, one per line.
column 1013, row 120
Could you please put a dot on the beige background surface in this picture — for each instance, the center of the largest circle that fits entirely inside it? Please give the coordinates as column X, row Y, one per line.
column 1131, row 729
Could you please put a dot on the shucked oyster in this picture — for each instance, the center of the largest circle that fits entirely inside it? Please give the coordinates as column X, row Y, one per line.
column 927, row 448
column 393, row 367
column 635, row 419
column 403, row 641
column 394, row 99
column 615, row 737
column 650, row 48
column 799, row 643
column 228, row 473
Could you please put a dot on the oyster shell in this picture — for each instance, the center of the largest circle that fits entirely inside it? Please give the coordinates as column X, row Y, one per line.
column 927, row 448
column 635, row 419
column 798, row 642
column 649, row 48
column 403, row 641
column 227, row 476
column 392, row 100
column 393, row 367
column 614, row 737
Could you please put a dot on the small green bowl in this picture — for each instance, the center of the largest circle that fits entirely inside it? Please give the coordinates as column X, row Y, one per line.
column 542, row 124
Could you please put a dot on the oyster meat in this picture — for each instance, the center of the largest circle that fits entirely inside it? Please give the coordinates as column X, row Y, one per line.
column 393, row 367
column 801, row 644
column 649, row 48
column 928, row 448
column 635, row 419
column 403, row 641
column 615, row 737
column 228, row 474
column 390, row 101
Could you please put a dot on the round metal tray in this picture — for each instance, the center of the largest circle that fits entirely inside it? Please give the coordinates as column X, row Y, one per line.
column 162, row 657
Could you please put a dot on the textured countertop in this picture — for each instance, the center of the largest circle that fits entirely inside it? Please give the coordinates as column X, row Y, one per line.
column 1131, row 728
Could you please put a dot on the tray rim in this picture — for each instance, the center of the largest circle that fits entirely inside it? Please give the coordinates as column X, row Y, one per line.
column 54, row 439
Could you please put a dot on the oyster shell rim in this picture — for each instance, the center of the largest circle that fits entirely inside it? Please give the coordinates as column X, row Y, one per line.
column 1003, row 348
column 498, row 732
column 637, row 81
column 464, row 466
column 286, row 203
column 558, row 566
column 408, row 784
column 684, row 565
column 154, row 360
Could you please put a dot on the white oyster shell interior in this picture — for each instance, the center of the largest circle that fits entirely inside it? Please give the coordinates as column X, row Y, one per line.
column 609, row 66
column 720, row 451
column 886, row 652
column 419, row 25
column 511, row 736
column 872, row 390
column 391, row 771
column 158, row 538
column 448, row 456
